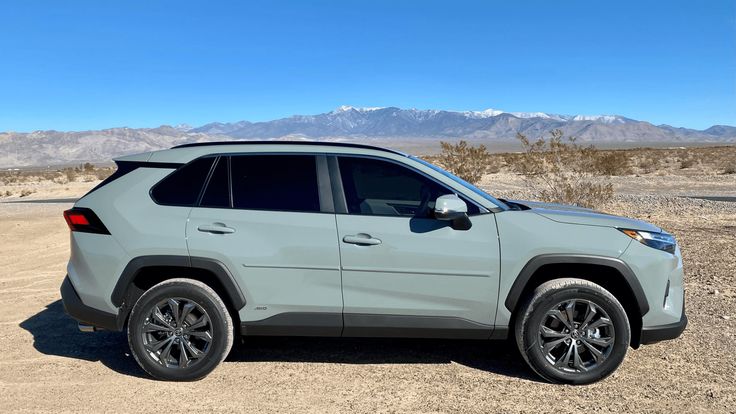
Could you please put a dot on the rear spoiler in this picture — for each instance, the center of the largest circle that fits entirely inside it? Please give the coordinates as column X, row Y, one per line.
column 140, row 157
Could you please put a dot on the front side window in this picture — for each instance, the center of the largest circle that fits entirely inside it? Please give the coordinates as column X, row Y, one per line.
column 275, row 182
column 382, row 188
column 464, row 183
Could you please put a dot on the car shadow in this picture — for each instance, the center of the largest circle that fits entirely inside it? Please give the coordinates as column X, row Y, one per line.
column 55, row 333
column 498, row 357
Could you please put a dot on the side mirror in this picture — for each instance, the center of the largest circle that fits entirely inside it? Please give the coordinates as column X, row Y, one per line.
column 450, row 207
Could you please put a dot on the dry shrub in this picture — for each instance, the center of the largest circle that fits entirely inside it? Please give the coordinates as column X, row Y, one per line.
column 8, row 193
column 46, row 175
column 71, row 174
column 562, row 171
column 10, row 177
column 495, row 162
column 729, row 167
column 686, row 161
column 466, row 161
column 102, row 173
column 26, row 192
column 611, row 163
column 649, row 162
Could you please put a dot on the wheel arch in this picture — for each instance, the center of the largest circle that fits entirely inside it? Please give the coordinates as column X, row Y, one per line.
column 612, row 274
column 143, row 272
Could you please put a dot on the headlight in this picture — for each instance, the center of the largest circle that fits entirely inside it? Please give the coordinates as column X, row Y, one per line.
column 660, row 241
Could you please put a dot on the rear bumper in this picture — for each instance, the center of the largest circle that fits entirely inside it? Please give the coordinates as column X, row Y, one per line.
column 75, row 308
column 652, row 334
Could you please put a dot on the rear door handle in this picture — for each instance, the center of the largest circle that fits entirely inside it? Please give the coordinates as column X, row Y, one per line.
column 361, row 239
column 216, row 228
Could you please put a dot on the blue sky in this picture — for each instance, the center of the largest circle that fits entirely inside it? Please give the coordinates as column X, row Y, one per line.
column 76, row 65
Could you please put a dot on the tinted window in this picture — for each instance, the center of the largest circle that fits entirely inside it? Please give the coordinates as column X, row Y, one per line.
column 384, row 188
column 275, row 182
column 464, row 183
column 217, row 192
column 182, row 187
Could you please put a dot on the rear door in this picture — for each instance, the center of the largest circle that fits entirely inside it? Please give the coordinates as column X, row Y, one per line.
column 269, row 218
column 404, row 272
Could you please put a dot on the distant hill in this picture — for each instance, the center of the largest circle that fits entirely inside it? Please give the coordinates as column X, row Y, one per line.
column 490, row 124
column 348, row 123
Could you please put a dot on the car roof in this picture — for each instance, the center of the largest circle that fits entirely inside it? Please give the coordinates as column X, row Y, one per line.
column 320, row 143
column 188, row 152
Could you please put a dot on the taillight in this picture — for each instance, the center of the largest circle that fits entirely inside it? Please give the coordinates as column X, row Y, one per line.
column 84, row 220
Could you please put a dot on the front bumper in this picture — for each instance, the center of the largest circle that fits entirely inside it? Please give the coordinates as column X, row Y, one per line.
column 75, row 308
column 652, row 334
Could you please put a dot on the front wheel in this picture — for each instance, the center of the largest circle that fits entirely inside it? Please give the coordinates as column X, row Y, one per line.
column 572, row 331
column 180, row 330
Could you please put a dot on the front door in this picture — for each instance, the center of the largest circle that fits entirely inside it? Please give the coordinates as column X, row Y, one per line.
column 405, row 273
column 276, row 233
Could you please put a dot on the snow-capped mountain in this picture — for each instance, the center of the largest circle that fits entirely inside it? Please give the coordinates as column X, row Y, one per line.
column 489, row 113
column 386, row 126
column 348, row 121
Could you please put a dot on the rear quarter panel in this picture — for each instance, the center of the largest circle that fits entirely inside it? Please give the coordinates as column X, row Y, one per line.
column 138, row 227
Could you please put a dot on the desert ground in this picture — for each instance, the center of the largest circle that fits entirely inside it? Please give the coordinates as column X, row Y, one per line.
column 47, row 365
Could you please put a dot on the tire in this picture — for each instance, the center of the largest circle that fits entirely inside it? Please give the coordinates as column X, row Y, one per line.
column 202, row 331
column 569, row 357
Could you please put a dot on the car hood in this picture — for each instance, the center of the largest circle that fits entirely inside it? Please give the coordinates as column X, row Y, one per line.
column 579, row 215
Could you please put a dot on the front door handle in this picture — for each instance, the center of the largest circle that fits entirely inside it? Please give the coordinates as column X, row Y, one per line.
column 361, row 239
column 216, row 228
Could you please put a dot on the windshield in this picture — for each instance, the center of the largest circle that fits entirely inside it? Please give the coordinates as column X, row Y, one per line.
column 462, row 182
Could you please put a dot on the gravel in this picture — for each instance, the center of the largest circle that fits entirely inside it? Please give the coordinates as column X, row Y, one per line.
column 46, row 365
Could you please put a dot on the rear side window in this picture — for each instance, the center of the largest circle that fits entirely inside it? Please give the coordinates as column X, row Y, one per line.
column 183, row 186
column 275, row 182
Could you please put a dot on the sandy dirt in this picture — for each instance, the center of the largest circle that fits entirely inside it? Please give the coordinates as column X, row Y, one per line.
column 47, row 365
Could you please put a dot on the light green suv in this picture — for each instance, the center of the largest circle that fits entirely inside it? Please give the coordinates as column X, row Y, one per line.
column 188, row 247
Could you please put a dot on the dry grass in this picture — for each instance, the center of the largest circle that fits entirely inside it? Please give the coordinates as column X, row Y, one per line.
column 50, row 182
column 565, row 171
column 635, row 161
column 84, row 173
column 688, row 161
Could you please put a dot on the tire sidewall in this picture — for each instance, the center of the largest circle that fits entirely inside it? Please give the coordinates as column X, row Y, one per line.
column 218, row 320
column 535, row 355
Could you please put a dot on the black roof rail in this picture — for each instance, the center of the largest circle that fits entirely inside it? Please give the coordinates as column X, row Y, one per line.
column 334, row 144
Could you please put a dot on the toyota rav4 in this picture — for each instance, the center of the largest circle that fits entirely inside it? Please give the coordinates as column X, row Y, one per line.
column 188, row 247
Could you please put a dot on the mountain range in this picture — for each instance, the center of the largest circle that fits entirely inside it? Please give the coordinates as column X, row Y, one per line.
column 382, row 125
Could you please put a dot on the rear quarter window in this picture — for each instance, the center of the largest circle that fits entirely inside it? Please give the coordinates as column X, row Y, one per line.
column 183, row 186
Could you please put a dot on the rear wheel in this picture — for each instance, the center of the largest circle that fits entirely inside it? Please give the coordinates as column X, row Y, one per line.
column 572, row 331
column 180, row 330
